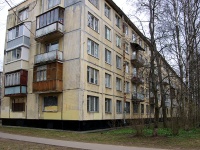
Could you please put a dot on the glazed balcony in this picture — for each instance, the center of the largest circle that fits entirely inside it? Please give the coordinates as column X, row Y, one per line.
column 137, row 61
column 48, row 57
column 48, row 78
column 137, row 97
column 50, row 25
column 16, row 83
column 19, row 36
column 136, row 79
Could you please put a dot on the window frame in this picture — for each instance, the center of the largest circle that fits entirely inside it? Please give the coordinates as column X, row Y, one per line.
column 17, row 52
column 18, row 107
column 117, row 21
column 108, row 56
column 108, row 105
column 93, row 23
column 118, row 41
column 92, row 100
column 118, row 84
column 41, row 73
column 118, row 62
column 128, row 107
column 127, row 87
column 93, row 3
column 92, row 48
column 108, row 80
column 119, row 107
column 91, row 71
column 23, row 14
column 107, row 11
column 107, row 33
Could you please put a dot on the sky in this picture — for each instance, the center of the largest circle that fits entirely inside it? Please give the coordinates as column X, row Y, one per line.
column 4, row 11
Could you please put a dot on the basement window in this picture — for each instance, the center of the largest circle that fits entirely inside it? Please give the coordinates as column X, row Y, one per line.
column 50, row 103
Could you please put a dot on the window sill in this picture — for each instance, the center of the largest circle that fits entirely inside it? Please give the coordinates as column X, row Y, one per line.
column 93, row 56
column 93, row 83
column 108, row 39
column 119, row 90
column 119, row 112
column 119, row 68
column 94, row 30
column 50, row 111
column 108, row 63
column 108, row 87
column 108, row 113
column 93, row 111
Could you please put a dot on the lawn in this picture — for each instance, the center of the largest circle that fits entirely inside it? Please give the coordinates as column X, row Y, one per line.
column 18, row 145
column 121, row 136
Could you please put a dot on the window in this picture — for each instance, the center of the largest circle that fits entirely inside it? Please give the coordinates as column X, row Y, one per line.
column 52, row 3
column 95, row 3
column 92, row 75
column 107, row 11
column 135, row 108
column 23, row 14
column 108, row 80
column 117, row 18
column 118, row 41
column 118, row 62
column 119, row 107
column 145, row 47
column 50, row 103
column 127, row 107
column 140, row 42
column 107, row 56
column 118, row 84
column 151, row 109
column 41, row 73
column 55, row 15
column 125, row 28
column 107, row 33
column 93, row 48
column 12, row 79
column 127, row 67
column 126, row 47
column 127, row 87
column 52, row 46
column 14, row 54
column 134, row 37
column 92, row 104
column 147, row 109
column 18, row 105
column 15, row 32
column 93, row 22
column 108, row 105
column 142, row 108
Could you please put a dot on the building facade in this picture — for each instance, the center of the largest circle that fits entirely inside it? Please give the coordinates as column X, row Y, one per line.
column 75, row 64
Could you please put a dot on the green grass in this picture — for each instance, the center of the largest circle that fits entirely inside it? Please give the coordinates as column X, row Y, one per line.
column 122, row 136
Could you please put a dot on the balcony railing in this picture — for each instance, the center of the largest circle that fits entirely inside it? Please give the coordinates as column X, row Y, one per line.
column 49, row 32
column 137, row 61
column 136, row 79
column 16, row 91
column 167, row 103
column 137, row 97
column 49, row 57
column 17, row 42
column 165, row 81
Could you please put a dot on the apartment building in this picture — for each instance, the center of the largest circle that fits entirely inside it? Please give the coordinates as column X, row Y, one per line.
column 75, row 64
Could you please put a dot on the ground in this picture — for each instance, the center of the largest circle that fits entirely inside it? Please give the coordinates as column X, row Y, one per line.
column 121, row 136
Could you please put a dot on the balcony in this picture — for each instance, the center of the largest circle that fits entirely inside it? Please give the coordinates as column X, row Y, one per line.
column 137, row 97
column 137, row 80
column 19, row 36
column 16, row 83
column 51, row 56
column 18, row 42
column 48, row 78
column 16, row 91
column 50, row 25
column 137, row 61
